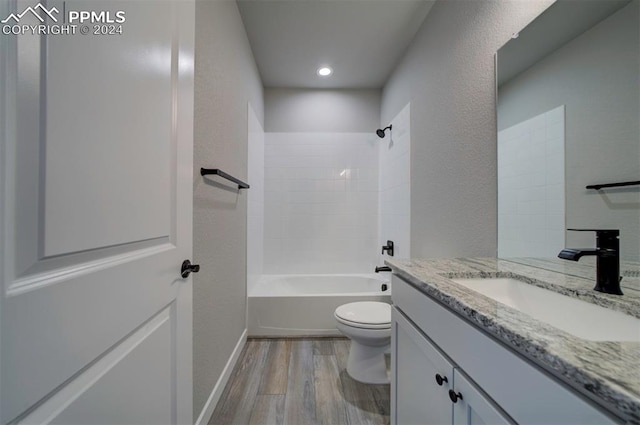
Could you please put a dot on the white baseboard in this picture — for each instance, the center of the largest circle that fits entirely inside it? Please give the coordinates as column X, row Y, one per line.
column 214, row 397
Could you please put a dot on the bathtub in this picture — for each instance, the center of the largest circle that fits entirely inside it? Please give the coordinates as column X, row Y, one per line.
column 303, row 305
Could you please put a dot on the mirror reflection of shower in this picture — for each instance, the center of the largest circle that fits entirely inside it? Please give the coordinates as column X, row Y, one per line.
column 567, row 113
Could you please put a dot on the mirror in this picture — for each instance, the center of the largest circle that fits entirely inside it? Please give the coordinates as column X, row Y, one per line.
column 568, row 113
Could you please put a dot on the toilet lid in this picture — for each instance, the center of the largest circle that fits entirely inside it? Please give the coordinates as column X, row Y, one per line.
column 370, row 314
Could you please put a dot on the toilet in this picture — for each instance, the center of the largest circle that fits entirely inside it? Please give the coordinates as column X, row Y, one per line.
column 368, row 325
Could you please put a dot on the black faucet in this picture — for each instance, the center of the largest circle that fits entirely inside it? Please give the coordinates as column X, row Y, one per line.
column 388, row 247
column 608, row 259
column 383, row 269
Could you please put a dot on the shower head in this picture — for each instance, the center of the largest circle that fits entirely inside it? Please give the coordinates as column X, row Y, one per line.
column 380, row 132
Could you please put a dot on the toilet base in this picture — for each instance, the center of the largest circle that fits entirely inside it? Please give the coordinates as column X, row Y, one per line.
column 367, row 364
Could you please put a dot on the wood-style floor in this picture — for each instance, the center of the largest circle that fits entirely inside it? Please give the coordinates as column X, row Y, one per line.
column 299, row 382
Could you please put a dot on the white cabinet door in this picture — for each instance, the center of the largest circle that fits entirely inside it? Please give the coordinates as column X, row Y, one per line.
column 96, row 177
column 416, row 396
column 471, row 406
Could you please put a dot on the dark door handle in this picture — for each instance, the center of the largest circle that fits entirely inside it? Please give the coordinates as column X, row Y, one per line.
column 187, row 268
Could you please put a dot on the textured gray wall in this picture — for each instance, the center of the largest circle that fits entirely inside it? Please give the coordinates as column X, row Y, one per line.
column 226, row 78
column 448, row 76
column 311, row 110
column 596, row 77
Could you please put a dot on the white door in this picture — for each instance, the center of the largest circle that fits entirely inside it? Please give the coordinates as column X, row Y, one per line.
column 95, row 214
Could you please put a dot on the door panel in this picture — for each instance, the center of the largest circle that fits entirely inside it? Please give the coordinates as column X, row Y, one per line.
column 475, row 408
column 125, row 119
column 144, row 356
column 143, row 393
column 96, row 170
column 54, row 331
column 95, row 158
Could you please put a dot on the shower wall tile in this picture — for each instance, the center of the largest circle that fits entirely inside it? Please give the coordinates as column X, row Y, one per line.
column 394, row 185
column 321, row 203
column 256, row 231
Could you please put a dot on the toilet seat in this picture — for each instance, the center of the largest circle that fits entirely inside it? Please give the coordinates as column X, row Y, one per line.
column 365, row 315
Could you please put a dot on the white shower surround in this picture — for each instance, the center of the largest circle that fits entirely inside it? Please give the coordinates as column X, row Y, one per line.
column 321, row 203
column 255, row 199
column 329, row 201
column 395, row 185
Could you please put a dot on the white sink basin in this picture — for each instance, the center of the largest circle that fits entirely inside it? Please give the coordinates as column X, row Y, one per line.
column 579, row 318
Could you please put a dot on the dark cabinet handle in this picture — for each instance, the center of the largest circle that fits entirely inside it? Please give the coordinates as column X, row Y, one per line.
column 441, row 379
column 454, row 396
column 187, row 268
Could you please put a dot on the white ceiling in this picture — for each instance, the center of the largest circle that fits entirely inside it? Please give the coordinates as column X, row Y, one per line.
column 362, row 40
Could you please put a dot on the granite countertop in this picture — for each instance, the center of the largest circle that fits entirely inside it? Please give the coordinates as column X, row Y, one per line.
column 607, row 372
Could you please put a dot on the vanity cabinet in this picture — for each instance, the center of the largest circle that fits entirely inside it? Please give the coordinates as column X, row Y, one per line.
column 497, row 385
column 426, row 383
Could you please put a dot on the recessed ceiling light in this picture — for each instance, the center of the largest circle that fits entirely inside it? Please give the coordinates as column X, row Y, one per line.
column 324, row 71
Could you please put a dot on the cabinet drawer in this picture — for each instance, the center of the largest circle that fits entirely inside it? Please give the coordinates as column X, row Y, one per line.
column 525, row 392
